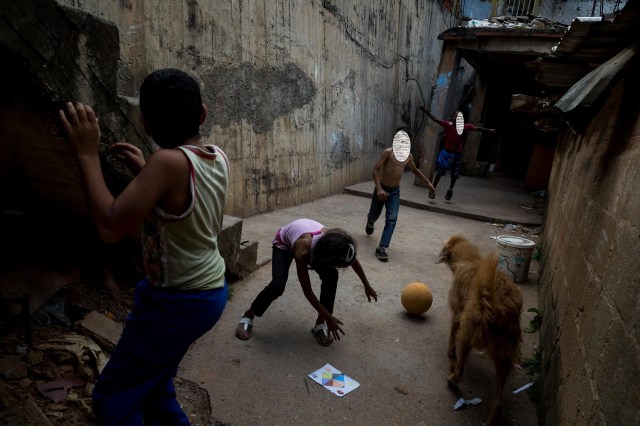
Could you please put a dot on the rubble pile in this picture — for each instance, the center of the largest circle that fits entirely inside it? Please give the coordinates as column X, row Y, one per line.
column 512, row 22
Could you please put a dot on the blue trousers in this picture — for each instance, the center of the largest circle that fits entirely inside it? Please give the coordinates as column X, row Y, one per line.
column 136, row 386
column 392, row 205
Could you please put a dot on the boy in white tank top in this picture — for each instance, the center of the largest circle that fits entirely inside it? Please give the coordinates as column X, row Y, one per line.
column 179, row 194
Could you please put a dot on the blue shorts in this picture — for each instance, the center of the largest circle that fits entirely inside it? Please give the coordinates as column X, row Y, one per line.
column 448, row 160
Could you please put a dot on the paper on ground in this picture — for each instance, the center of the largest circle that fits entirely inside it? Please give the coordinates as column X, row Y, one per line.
column 334, row 380
column 462, row 402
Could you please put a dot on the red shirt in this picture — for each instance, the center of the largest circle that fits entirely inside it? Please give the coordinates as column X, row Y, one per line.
column 453, row 142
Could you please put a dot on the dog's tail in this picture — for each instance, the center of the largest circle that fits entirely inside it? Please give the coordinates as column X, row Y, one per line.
column 501, row 304
column 485, row 277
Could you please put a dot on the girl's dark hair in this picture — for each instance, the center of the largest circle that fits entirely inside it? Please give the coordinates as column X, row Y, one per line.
column 171, row 105
column 336, row 248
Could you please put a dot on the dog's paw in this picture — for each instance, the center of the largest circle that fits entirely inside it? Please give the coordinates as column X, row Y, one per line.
column 452, row 379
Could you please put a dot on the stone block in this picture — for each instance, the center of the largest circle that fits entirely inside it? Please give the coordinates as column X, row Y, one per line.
column 549, row 329
column 568, row 344
column 585, row 397
column 229, row 241
column 551, row 389
column 247, row 258
column 623, row 273
column 594, row 323
column 601, row 238
column 617, row 376
column 629, row 203
column 578, row 280
column 562, row 303
column 594, row 414
column 104, row 330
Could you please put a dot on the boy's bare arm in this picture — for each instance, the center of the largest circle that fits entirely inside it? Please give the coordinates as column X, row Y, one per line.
column 416, row 171
column 129, row 154
column 114, row 218
column 163, row 177
column 378, row 169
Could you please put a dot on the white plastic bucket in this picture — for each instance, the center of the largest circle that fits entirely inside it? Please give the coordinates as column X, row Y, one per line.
column 515, row 256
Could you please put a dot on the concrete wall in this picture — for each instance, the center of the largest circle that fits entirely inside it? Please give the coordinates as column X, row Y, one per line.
column 590, row 274
column 454, row 74
column 303, row 95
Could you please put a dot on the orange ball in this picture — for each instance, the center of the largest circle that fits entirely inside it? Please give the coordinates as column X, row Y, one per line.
column 416, row 298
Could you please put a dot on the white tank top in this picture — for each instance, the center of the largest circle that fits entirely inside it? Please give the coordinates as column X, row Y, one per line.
column 182, row 251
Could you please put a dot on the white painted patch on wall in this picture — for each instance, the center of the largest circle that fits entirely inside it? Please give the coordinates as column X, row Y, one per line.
column 334, row 138
column 133, row 29
column 360, row 141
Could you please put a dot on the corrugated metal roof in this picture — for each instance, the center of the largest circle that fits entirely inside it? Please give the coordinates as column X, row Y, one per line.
column 588, row 43
column 596, row 40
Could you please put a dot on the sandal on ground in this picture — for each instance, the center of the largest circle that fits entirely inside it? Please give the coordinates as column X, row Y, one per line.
column 432, row 195
column 244, row 331
column 321, row 331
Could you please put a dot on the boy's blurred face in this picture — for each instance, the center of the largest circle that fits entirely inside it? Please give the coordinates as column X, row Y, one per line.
column 458, row 119
column 401, row 146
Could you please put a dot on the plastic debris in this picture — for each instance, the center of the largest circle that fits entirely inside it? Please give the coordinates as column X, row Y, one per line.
column 462, row 402
column 84, row 349
column 56, row 391
column 521, row 388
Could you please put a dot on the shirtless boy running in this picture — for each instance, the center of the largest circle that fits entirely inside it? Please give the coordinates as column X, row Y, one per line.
column 387, row 174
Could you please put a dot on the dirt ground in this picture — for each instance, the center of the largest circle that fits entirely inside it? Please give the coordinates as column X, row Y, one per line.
column 398, row 359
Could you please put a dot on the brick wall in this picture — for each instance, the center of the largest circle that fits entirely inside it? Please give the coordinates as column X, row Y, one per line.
column 590, row 273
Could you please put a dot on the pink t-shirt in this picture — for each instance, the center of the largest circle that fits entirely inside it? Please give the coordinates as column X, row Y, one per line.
column 287, row 235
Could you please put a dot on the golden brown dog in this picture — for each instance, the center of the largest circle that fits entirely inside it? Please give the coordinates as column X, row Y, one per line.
column 486, row 307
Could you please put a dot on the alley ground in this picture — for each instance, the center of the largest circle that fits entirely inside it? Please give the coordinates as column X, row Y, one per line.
column 400, row 361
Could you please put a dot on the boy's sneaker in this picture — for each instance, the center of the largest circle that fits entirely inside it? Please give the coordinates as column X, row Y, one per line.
column 382, row 254
column 369, row 228
column 448, row 195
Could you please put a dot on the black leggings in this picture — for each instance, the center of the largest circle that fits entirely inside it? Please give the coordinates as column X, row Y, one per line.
column 280, row 263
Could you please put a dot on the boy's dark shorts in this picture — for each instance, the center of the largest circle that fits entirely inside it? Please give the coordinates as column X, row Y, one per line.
column 448, row 160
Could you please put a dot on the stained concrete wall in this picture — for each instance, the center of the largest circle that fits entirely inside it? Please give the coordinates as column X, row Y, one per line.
column 590, row 274
column 454, row 74
column 303, row 95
